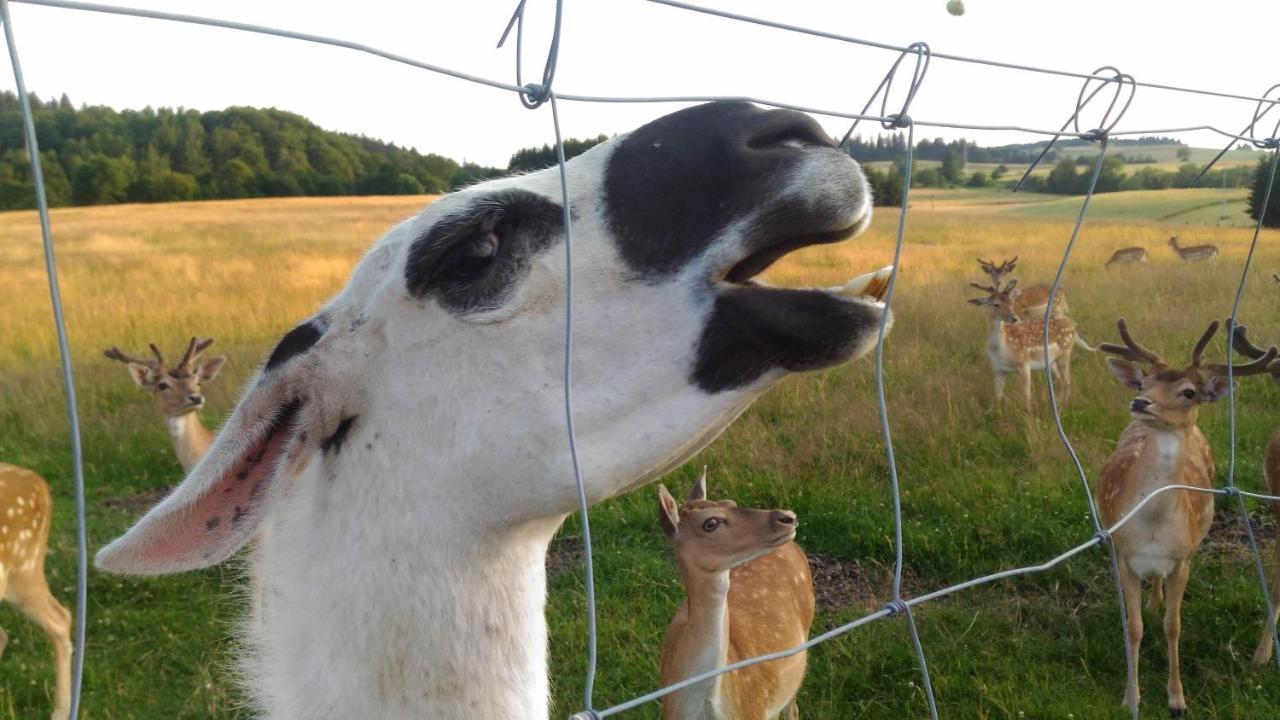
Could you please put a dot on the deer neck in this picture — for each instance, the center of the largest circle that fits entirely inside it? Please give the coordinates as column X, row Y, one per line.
column 434, row 617
column 703, row 643
column 190, row 438
column 1164, row 457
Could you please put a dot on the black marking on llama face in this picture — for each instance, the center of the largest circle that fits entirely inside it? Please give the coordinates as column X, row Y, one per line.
column 296, row 342
column 212, row 523
column 339, row 436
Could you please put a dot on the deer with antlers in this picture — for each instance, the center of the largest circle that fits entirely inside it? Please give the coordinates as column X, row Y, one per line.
column 1030, row 301
column 1162, row 446
column 1014, row 346
column 748, row 592
column 1193, row 253
column 1271, row 472
column 177, row 393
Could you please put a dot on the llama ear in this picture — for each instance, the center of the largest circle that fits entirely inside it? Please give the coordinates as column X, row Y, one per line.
column 699, row 489
column 668, row 512
column 269, row 439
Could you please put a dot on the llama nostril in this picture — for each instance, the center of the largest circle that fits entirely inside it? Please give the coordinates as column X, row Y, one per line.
column 785, row 128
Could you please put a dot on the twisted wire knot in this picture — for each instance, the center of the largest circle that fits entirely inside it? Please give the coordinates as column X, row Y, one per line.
column 1230, row 491
column 1103, row 536
column 534, row 94
column 1094, row 135
column 1268, row 144
column 585, row 715
column 896, row 607
column 896, row 121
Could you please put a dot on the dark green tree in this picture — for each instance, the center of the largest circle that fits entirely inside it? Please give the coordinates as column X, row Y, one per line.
column 1271, row 214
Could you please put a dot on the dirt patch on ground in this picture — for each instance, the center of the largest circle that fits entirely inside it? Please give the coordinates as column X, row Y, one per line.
column 138, row 502
column 849, row 584
column 1228, row 534
column 564, row 554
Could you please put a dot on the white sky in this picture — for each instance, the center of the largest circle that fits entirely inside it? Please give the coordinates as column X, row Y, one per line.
column 631, row 47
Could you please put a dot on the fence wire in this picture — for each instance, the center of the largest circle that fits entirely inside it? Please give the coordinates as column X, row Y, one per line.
column 534, row 95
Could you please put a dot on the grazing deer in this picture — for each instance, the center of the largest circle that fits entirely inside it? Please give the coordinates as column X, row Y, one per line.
column 1162, row 445
column 1271, row 472
column 24, row 539
column 178, row 396
column 1014, row 346
column 1030, row 301
column 1124, row 256
column 748, row 592
column 1193, row 253
column 404, row 445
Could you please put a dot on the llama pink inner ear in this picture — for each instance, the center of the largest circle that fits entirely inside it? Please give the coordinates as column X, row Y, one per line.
column 196, row 528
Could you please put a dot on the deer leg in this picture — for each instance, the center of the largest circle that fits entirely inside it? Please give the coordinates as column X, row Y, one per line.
column 999, row 385
column 1157, row 593
column 1262, row 655
column 1025, row 372
column 793, row 710
column 1132, row 587
column 1172, row 631
column 30, row 594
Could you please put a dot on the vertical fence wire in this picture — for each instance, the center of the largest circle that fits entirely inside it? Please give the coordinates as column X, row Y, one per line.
column 64, row 352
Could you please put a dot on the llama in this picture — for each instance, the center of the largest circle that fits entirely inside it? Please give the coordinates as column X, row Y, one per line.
column 404, row 449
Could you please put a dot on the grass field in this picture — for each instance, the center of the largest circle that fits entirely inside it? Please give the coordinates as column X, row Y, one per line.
column 982, row 491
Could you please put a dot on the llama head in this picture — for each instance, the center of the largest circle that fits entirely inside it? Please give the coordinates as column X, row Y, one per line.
column 434, row 377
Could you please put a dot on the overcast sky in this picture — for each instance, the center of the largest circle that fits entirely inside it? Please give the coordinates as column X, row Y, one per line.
column 632, row 47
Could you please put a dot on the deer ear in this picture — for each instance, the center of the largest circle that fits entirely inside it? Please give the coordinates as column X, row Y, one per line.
column 269, row 439
column 1127, row 373
column 142, row 375
column 668, row 512
column 699, row 489
column 1215, row 388
column 209, row 369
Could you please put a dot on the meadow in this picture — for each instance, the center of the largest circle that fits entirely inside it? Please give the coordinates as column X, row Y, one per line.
column 983, row 490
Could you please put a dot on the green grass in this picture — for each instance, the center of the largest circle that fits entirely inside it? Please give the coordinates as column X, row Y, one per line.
column 982, row 491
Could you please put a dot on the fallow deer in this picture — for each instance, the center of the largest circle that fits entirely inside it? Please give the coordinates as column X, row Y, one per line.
column 178, row 394
column 748, row 592
column 1014, row 346
column 1124, row 256
column 1161, row 446
column 1271, row 473
column 1193, row 253
column 24, row 540
column 404, row 447
column 1030, row 301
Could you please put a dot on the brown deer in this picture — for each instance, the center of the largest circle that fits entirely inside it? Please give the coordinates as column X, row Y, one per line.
column 24, row 539
column 1271, row 472
column 1030, row 301
column 1124, row 256
column 748, row 592
column 1014, row 346
column 178, row 396
column 1161, row 446
column 1193, row 253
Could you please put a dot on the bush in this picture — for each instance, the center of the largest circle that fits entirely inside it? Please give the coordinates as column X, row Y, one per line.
column 979, row 180
column 1271, row 216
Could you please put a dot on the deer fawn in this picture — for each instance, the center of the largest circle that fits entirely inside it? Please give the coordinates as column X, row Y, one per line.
column 748, row 592
column 1030, row 301
column 177, row 394
column 1271, row 471
column 1124, row 256
column 1193, row 253
column 24, row 538
column 1162, row 445
column 1017, row 347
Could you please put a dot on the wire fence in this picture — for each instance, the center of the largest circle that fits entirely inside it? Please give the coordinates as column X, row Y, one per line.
column 535, row 95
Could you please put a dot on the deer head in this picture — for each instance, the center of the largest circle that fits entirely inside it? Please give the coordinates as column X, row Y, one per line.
column 997, row 272
column 176, row 389
column 430, row 386
column 714, row 536
column 1168, row 396
column 998, row 301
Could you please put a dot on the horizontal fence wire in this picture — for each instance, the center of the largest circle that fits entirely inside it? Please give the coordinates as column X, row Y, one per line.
column 533, row 95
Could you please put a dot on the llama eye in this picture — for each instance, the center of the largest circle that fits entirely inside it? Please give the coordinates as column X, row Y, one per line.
column 711, row 524
column 1189, row 394
column 473, row 257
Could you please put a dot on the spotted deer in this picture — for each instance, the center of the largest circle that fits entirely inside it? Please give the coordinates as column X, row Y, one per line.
column 748, row 592
column 1271, row 473
column 1014, row 346
column 1193, row 253
column 178, row 394
column 1161, row 446
column 24, row 540
column 403, row 447
column 1127, row 255
column 1030, row 301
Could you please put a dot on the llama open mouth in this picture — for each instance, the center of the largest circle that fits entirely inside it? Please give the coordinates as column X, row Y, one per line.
column 762, row 259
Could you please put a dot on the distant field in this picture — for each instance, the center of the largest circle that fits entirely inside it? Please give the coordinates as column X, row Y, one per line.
column 1198, row 210
column 982, row 491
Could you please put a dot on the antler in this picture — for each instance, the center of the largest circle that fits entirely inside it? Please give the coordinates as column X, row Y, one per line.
column 1203, row 343
column 1261, row 358
column 983, row 288
column 1012, row 284
column 194, row 348
column 1242, row 344
column 1008, row 265
column 115, row 354
column 1131, row 349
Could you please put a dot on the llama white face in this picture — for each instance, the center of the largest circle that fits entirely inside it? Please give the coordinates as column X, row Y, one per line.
column 436, row 374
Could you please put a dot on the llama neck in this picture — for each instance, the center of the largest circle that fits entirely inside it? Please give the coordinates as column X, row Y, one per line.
column 703, row 644
column 430, row 619
column 190, row 438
